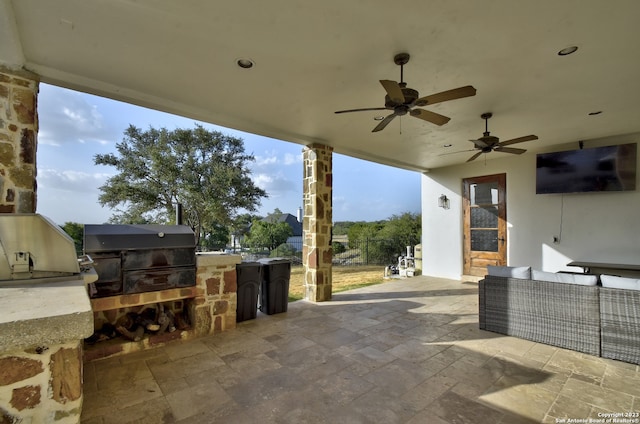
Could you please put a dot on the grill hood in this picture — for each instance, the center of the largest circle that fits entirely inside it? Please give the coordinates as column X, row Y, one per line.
column 33, row 247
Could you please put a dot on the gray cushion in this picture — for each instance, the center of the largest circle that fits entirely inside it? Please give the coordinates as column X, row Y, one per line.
column 614, row 282
column 523, row 272
column 561, row 277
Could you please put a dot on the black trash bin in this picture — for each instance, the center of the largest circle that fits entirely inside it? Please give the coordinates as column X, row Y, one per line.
column 249, row 277
column 274, row 291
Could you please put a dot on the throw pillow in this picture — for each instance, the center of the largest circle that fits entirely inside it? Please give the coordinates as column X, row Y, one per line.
column 562, row 277
column 614, row 282
column 523, row 272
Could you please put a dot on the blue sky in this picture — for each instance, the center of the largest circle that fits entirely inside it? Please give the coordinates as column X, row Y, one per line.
column 76, row 126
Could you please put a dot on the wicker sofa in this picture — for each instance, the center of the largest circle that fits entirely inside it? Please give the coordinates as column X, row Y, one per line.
column 597, row 320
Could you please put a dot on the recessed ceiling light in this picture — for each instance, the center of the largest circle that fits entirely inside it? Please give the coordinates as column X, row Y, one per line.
column 597, row 112
column 245, row 63
column 378, row 118
column 568, row 50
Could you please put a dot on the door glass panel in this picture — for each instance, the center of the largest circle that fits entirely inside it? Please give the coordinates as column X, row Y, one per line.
column 484, row 216
column 484, row 240
column 484, row 193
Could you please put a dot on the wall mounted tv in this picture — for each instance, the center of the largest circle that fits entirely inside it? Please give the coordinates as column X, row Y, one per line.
column 609, row 168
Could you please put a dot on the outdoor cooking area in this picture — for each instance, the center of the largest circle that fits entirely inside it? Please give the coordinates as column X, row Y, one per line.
column 136, row 287
column 44, row 315
column 153, row 287
column 131, row 259
column 151, row 282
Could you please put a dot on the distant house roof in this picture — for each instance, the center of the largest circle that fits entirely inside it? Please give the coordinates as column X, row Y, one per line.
column 289, row 219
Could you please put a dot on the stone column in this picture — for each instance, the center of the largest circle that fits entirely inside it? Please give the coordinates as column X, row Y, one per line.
column 317, row 222
column 18, row 138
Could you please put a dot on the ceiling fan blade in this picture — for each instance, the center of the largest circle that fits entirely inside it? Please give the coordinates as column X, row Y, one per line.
column 459, row 151
column 456, row 93
column 518, row 140
column 384, row 123
column 479, row 143
column 432, row 117
column 509, row 150
column 361, row 110
column 393, row 90
column 474, row 157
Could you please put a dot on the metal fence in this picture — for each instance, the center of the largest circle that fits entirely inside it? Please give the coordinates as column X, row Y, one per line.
column 357, row 252
column 366, row 252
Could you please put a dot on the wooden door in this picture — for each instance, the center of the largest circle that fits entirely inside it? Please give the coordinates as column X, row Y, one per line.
column 485, row 223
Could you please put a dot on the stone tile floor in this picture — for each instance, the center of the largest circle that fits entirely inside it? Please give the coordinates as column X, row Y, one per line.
column 406, row 351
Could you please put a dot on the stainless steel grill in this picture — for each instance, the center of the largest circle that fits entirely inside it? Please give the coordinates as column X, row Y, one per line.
column 35, row 250
column 140, row 258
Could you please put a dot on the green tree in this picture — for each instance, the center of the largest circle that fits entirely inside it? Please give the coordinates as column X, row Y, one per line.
column 338, row 248
column 362, row 231
column 284, row 250
column 241, row 226
column 76, row 232
column 268, row 234
column 215, row 238
column 405, row 230
column 274, row 216
column 383, row 241
column 398, row 232
column 342, row 227
column 205, row 171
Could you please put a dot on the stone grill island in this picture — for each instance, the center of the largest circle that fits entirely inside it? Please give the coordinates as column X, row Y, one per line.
column 45, row 314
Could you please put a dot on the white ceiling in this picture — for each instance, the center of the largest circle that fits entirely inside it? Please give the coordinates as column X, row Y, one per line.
column 313, row 58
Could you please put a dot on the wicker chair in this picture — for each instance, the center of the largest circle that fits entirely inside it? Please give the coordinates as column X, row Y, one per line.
column 558, row 314
column 620, row 322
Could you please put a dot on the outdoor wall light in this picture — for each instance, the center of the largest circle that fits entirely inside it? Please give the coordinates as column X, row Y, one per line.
column 443, row 202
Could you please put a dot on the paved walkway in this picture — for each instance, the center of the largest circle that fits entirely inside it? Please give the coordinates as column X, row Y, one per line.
column 406, row 351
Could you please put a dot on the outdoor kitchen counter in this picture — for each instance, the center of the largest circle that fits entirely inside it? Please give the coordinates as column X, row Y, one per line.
column 44, row 314
column 217, row 258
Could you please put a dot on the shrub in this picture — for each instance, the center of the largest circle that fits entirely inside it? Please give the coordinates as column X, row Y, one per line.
column 338, row 248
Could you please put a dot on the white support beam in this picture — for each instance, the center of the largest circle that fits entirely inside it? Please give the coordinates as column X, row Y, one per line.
column 11, row 54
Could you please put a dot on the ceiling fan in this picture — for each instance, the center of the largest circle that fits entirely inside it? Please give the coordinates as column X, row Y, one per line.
column 402, row 100
column 488, row 143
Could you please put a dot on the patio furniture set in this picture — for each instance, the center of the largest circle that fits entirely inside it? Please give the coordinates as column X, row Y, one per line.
column 594, row 314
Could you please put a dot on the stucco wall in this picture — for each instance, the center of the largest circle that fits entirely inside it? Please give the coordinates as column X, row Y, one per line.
column 602, row 227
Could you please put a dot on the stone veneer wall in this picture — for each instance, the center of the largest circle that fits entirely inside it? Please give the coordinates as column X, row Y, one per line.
column 317, row 223
column 41, row 384
column 18, row 141
column 41, row 351
column 214, row 308
column 211, row 306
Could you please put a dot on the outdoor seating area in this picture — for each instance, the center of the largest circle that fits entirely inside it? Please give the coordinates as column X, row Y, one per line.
column 595, row 314
column 404, row 351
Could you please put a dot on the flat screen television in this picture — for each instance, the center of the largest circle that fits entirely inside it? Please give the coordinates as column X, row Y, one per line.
column 609, row 168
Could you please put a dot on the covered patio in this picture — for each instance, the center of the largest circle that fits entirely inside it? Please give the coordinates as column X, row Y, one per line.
column 406, row 351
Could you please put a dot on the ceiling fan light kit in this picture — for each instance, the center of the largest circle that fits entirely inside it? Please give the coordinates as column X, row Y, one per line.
column 403, row 100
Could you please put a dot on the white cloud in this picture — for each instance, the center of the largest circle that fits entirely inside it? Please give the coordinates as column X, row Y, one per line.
column 290, row 159
column 265, row 161
column 66, row 117
column 273, row 158
column 70, row 180
column 276, row 184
